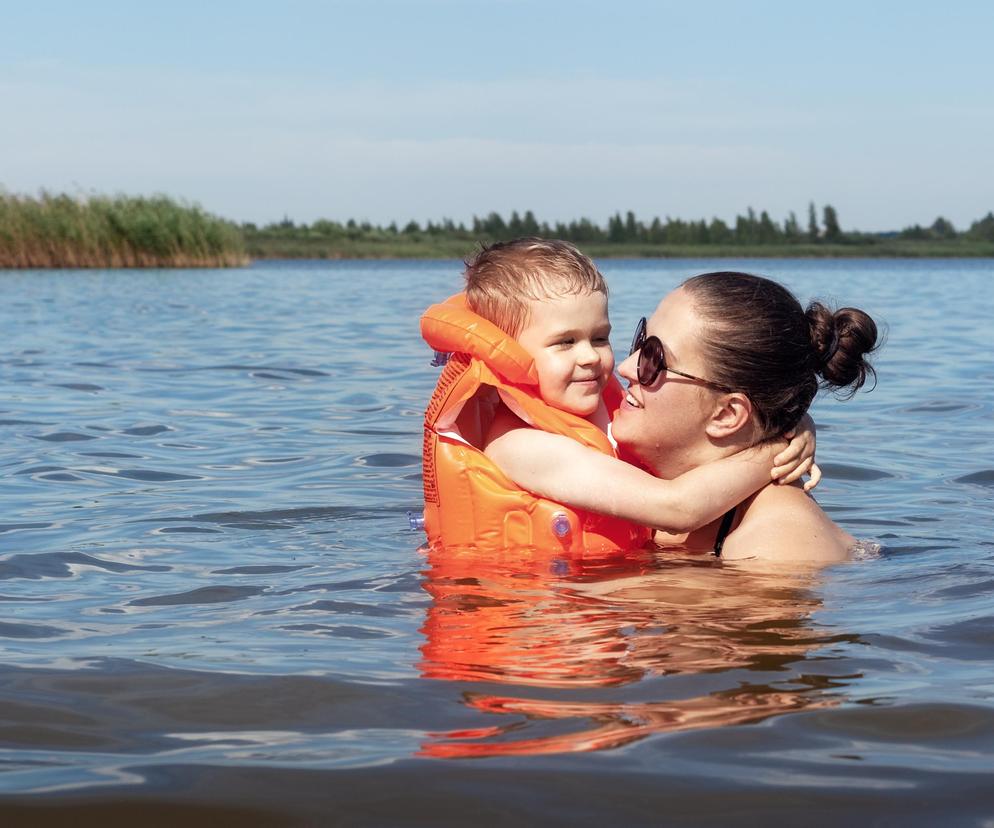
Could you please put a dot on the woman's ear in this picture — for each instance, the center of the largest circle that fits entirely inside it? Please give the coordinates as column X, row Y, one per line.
column 732, row 412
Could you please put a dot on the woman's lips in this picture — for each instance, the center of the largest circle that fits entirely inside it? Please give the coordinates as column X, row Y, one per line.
column 631, row 401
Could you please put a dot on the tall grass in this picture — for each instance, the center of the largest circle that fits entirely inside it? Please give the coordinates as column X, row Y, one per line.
column 56, row 231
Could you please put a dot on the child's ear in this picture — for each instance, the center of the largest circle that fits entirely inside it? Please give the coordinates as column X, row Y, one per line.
column 732, row 412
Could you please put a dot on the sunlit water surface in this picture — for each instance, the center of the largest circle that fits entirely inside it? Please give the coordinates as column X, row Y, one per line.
column 211, row 603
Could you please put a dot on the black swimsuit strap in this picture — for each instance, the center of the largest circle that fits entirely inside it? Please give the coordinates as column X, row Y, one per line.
column 726, row 524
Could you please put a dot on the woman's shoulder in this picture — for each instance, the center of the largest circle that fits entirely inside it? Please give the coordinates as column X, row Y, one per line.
column 786, row 523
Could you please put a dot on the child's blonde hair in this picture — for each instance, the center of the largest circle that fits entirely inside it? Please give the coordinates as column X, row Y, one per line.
column 502, row 276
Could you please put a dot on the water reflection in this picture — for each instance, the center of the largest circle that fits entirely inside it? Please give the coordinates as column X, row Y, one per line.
column 570, row 627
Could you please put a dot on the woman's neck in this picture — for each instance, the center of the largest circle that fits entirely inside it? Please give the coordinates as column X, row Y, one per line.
column 669, row 463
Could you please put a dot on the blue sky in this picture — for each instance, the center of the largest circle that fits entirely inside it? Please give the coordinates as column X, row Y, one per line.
column 397, row 110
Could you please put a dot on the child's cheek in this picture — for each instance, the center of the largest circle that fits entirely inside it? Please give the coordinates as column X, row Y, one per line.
column 608, row 363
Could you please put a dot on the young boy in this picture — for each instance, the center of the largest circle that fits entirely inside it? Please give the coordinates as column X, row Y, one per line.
column 530, row 349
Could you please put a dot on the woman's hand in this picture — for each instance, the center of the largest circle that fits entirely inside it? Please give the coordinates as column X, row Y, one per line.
column 799, row 457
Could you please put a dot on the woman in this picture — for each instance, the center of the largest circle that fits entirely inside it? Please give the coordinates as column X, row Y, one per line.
column 727, row 361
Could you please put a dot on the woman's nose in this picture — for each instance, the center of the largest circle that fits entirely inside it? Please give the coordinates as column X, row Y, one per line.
column 629, row 368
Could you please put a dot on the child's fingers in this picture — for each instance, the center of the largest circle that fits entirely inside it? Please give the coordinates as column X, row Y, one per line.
column 797, row 473
column 780, row 473
column 815, row 478
column 788, row 456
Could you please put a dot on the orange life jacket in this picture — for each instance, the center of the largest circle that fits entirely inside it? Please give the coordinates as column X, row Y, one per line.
column 469, row 501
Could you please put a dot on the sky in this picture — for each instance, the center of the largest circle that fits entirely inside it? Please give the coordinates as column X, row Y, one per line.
column 391, row 110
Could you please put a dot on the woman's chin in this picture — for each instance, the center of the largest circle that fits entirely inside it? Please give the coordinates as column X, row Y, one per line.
column 622, row 426
column 629, row 453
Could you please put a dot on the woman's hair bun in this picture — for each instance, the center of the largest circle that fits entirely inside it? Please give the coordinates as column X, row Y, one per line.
column 840, row 342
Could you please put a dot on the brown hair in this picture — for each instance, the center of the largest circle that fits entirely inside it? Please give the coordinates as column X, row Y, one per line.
column 502, row 276
column 759, row 340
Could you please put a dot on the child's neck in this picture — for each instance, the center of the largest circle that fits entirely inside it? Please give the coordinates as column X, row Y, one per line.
column 600, row 417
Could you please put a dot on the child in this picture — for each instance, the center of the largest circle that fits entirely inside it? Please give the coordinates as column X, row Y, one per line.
column 530, row 348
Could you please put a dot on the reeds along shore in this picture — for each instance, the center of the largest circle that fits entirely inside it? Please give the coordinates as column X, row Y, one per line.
column 57, row 231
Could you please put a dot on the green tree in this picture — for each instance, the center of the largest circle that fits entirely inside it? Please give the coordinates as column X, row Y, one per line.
column 324, row 227
column 768, row 232
column 915, row 231
column 791, row 229
column 700, row 232
column 632, row 227
column 830, row 221
column 615, row 229
column 514, row 225
column 656, row 234
column 529, row 225
column 943, row 229
column 982, row 229
column 676, row 231
column 584, row 231
column 493, row 226
column 719, row 232
column 812, row 222
column 747, row 228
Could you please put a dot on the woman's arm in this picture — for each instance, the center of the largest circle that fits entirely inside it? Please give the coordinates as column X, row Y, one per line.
column 561, row 469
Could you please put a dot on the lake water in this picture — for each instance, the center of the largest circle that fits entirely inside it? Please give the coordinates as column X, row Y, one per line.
column 212, row 608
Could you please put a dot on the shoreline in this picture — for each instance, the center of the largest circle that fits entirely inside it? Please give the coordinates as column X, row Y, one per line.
column 319, row 249
column 427, row 256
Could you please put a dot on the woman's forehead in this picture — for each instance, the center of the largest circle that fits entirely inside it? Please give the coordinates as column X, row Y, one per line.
column 678, row 326
column 674, row 313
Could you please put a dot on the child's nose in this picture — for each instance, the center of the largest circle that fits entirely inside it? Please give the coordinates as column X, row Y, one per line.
column 588, row 354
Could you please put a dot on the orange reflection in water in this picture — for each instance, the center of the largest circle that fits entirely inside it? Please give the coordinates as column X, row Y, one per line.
column 605, row 623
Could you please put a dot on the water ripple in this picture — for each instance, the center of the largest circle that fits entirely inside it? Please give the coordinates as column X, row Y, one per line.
column 19, row 527
column 60, row 565
column 8, row 630
column 203, row 595
column 981, row 478
column 843, row 471
column 79, row 386
column 64, row 437
column 146, row 431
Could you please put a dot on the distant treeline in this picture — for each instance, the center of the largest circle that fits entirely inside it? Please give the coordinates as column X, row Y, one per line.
column 819, row 234
column 122, row 231
column 54, row 231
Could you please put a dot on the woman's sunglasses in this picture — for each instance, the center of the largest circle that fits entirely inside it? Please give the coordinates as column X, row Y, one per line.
column 652, row 360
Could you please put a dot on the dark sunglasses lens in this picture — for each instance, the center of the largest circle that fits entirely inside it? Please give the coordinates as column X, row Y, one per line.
column 652, row 360
column 639, row 337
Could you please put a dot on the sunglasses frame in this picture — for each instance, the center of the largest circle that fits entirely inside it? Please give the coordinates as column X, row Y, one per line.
column 639, row 343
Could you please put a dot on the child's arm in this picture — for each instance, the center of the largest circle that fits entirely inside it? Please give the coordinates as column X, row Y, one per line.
column 561, row 469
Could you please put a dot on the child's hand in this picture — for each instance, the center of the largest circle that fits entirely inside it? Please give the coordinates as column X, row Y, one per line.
column 799, row 456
